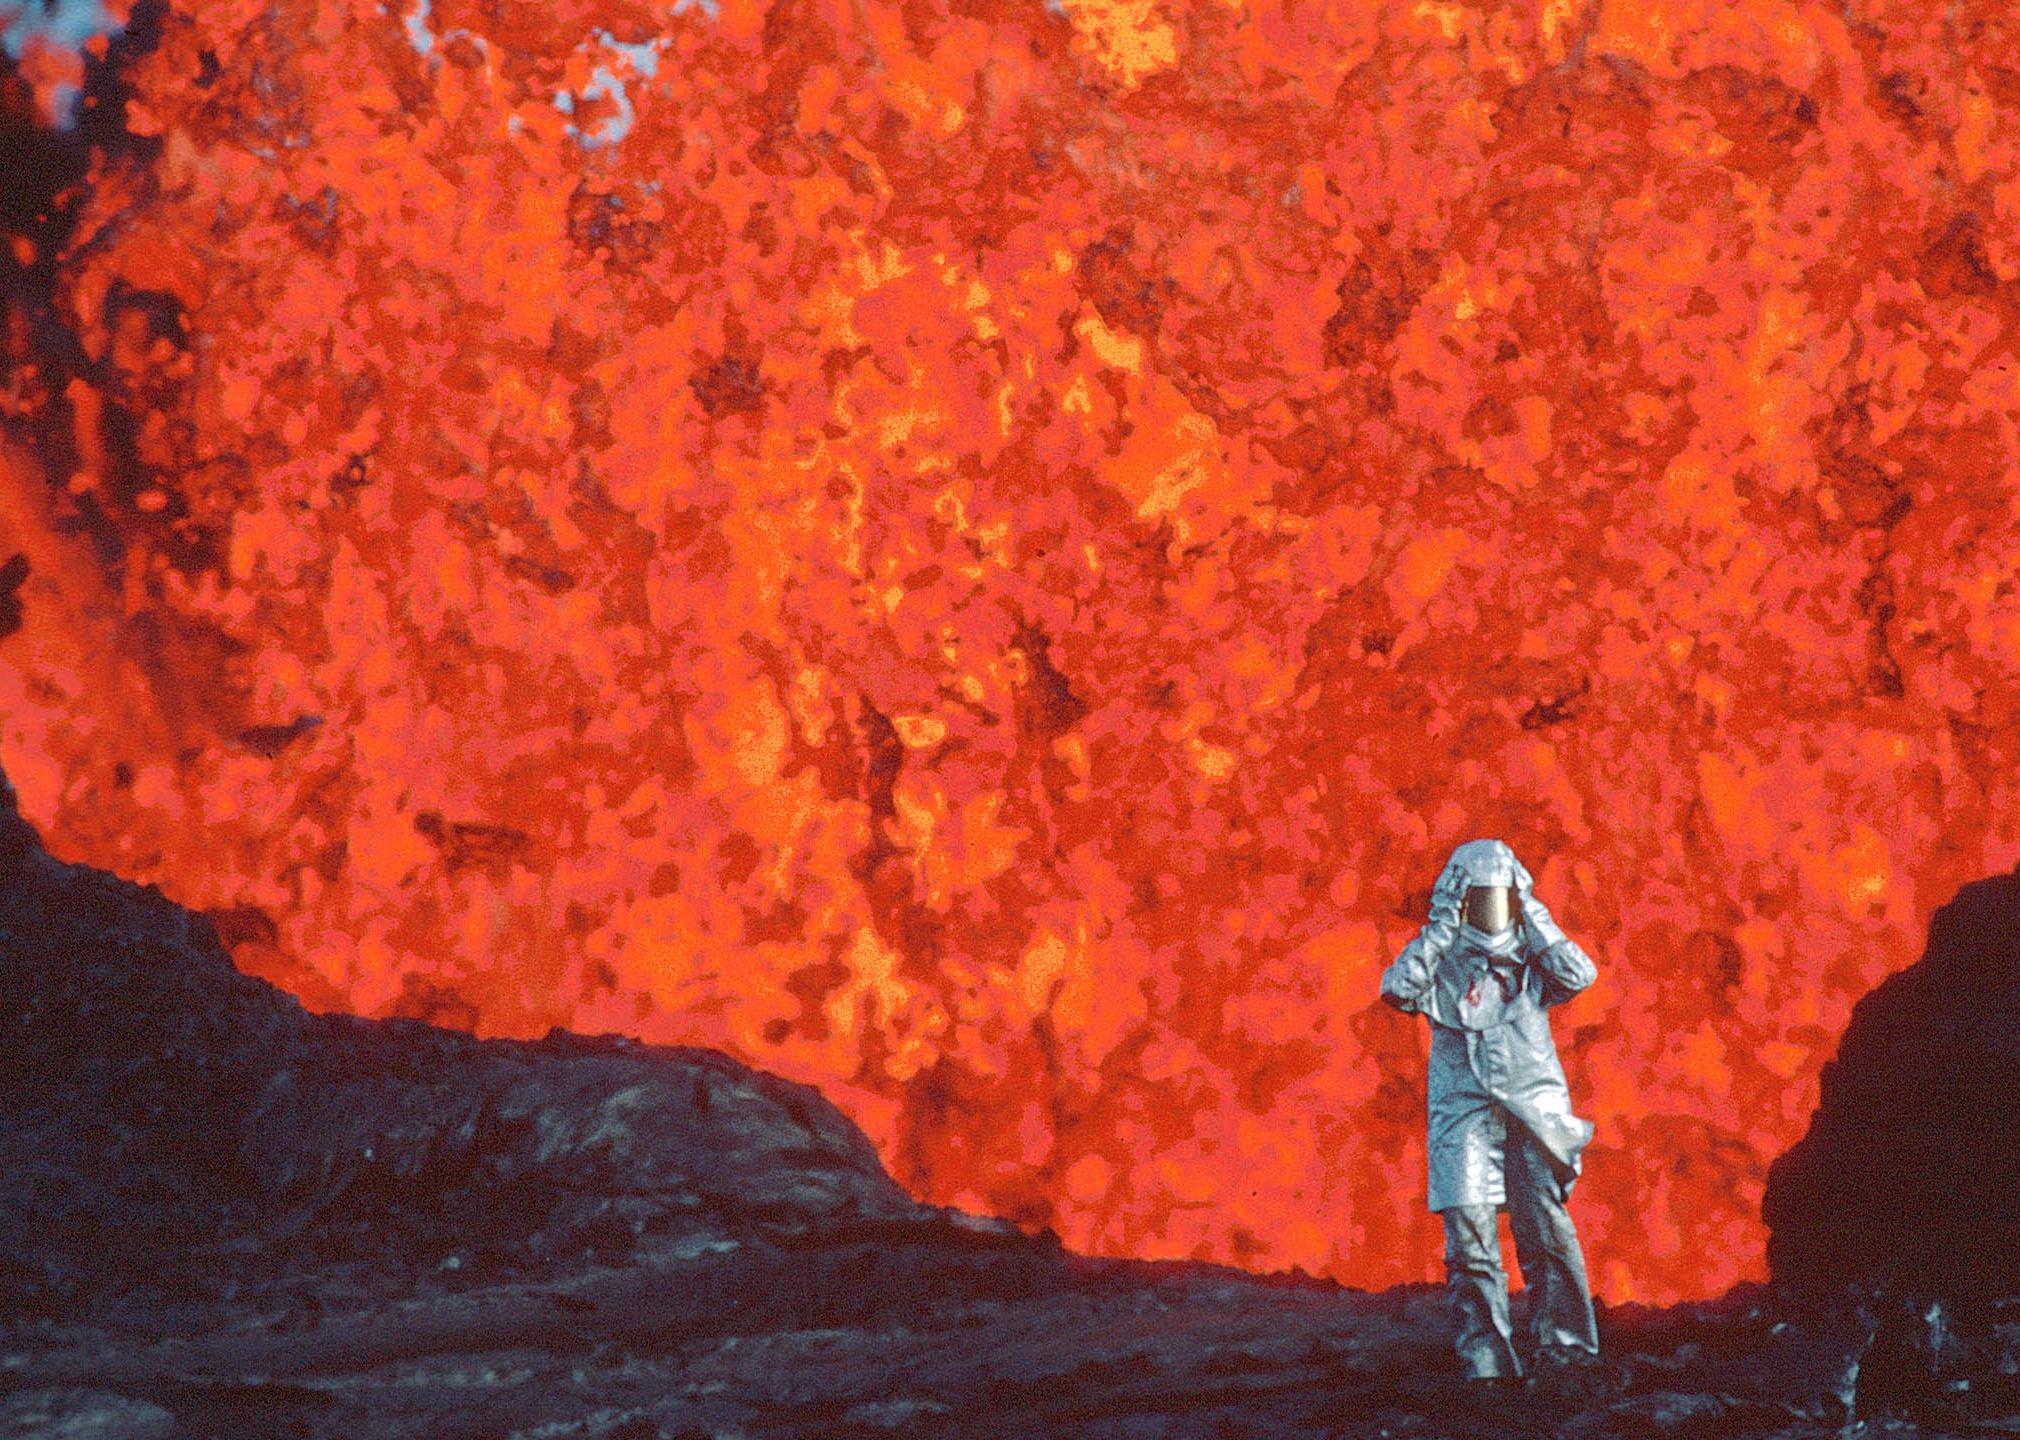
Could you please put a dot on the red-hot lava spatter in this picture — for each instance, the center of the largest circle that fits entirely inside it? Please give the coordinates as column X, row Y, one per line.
column 981, row 553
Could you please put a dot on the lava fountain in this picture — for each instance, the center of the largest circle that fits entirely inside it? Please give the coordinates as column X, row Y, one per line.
column 980, row 554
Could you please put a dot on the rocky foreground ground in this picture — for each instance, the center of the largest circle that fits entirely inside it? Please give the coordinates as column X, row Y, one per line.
column 221, row 1216
column 870, row 1336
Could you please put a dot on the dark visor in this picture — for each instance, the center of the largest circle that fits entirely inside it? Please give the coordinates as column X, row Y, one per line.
column 1490, row 909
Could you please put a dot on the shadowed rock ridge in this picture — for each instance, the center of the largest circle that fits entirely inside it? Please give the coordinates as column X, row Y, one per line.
column 172, row 1122
column 1909, row 1175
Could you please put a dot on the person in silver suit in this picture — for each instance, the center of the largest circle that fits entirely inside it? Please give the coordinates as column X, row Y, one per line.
column 1485, row 970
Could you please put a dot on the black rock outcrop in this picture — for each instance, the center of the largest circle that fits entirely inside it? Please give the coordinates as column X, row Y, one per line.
column 168, row 1122
column 1909, row 1177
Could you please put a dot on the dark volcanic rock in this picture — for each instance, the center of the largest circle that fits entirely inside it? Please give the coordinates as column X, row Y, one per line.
column 1909, row 1177
column 173, row 1124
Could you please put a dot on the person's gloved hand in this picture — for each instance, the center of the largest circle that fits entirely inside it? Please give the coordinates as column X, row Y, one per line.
column 1541, row 929
column 1446, row 898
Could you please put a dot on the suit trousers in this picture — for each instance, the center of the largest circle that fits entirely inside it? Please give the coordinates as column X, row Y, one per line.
column 1546, row 1247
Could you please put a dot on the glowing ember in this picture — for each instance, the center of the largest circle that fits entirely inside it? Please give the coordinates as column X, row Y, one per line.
column 982, row 554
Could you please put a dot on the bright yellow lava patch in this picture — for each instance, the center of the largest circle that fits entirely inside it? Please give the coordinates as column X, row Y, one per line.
column 1129, row 38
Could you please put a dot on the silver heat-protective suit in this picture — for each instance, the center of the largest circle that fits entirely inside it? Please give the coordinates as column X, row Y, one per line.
column 1502, row 1134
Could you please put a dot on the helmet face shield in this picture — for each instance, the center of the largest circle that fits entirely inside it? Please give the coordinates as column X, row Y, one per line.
column 1490, row 909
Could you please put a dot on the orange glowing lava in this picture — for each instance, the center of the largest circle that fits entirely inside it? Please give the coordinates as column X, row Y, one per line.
column 980, row 554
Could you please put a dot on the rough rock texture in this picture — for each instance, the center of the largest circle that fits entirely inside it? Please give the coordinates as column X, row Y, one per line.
column 879, row 1340
column 174, row 1124
column 222, row 1217
column 1910, row 1173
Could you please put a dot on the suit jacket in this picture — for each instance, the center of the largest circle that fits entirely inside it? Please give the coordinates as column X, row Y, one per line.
column 1493, row 1060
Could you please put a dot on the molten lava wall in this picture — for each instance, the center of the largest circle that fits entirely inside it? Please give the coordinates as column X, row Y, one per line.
column 980, row 553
